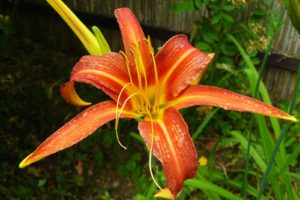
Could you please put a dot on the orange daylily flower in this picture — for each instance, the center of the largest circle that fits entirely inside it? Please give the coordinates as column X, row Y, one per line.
column 152, row 88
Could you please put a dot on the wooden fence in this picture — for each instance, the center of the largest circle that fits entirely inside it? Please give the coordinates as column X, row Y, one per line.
column 159, row 22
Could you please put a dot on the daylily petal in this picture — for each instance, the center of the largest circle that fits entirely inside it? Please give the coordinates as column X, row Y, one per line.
column 70, row 95
column 213, row 96
column 132, row 34
column 178, row 64
column 172, row 145
column 76, row 130
column 108, row 73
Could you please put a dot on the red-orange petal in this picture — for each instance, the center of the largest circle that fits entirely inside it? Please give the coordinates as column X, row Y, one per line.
column 173, row 146
column 132, row 33
column 178, row 64
column 108, row 73
column 76, row 130
column 213, row 96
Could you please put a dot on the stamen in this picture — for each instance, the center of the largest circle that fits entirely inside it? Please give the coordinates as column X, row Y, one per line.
column 151, row 152
column 118, row 139
column 142, row 67
column 157, row 89
column 127, row 65
column 126, row 100
column 130, row 77
column 118, row 102
column 140, row 87
column 118, row 116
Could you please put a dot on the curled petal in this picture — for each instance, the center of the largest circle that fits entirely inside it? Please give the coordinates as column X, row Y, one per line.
column 172, row 146
column 213, row 96
column 178, row 64
column 70, row 95
column 76, row 130
column 108, row 73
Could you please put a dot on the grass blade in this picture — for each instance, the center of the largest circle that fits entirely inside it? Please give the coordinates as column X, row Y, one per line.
column 204, row 123
column 206, row 185
column 281, row 137
column 253, row 153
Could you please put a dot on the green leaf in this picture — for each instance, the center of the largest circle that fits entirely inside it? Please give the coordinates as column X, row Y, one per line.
column 229, row 7
column 215, row 19
column 204, row 123
column 203, row 46
column 259, row 12
column 198, row 3
column 291, row 158
column 227, row 49
column 210, row 38
column 255, row 61
column 253, row 153
column 183, row 5
column 42, row 182
column 227, row 17
column 206, row 185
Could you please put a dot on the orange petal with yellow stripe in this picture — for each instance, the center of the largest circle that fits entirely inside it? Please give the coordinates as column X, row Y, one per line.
column 178, row 64
column 76, row 130
column 108, row 73
column 213, row 96
column 172, row 146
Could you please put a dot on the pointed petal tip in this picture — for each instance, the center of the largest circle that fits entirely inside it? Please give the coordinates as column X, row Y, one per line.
column 290, row 118
column 120, row 9
column 211, row 55
column 25, row 162
column 165, row 193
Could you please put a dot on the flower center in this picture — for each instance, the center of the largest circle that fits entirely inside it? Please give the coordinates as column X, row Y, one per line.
column 144, row 96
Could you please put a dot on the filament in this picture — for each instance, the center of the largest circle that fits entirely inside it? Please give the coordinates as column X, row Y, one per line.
column 151, row 152
column 127, row 65
column 118, row 116
column 157, row 88
column 138, row 72
column 141, row 62
column 122, row 108
column 118, row 102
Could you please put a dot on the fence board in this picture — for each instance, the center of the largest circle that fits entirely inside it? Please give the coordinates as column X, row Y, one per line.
column 280, row 83
column 287, row 41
